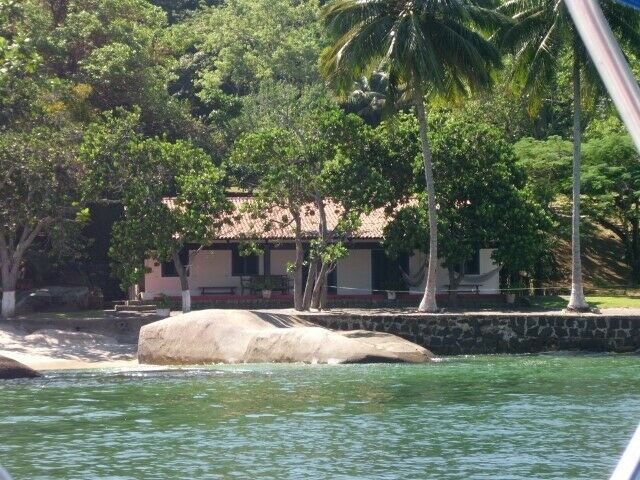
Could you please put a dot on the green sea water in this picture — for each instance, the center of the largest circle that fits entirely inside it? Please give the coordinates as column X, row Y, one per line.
column 486, row 417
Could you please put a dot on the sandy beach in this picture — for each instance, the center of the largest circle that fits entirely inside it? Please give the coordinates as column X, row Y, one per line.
column 62, row 350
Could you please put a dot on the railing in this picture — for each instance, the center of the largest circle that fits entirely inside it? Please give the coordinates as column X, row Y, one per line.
column 629, row 465
column 4, row 475
column 609, row 61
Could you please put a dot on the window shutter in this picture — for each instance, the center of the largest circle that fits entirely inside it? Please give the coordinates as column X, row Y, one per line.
column 251, row 265
column 236, row 262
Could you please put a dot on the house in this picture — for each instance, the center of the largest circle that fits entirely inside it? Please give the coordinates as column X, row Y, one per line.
column 219, row 268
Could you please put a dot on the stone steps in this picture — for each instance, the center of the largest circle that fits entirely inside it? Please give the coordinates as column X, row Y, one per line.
column 138, row 307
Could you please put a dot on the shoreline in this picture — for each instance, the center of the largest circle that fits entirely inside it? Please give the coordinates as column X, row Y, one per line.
column 47, row 342
column 49, row 349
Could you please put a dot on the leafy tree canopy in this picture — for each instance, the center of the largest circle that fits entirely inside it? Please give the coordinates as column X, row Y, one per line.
column 611, row 179
column 482, row 200
column 143, row 172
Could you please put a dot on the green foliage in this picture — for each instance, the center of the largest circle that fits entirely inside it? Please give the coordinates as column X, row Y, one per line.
column 249, row 41
column 542, row 38
column 163, row 301
column 423, row 46
column 548, row 166
column 314, row 157
column 40, row 183
column 408, row 231
column 228, row 52
column 179, row 9
column 104, row 54
column 611, row 185
column 142, row 173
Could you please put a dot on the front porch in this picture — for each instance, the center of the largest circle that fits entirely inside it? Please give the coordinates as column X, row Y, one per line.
column 219, row 275
column 408, row 302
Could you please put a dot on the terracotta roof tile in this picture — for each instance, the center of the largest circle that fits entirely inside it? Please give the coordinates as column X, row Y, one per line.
column 244, row 225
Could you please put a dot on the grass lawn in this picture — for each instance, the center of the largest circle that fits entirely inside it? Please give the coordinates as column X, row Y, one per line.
column 559, row 302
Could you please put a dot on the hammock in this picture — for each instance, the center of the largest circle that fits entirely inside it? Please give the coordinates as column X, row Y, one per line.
column 418, row 278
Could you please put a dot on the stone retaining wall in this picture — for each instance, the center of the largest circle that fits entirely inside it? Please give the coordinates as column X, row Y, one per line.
column 456, row 334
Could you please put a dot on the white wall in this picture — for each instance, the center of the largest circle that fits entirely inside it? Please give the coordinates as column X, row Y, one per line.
column 212, row 268
column 354, row 272
column 415, row 263
column 490, row 285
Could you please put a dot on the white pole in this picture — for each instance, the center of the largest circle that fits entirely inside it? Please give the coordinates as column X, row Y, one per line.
column 4, row 475
column 610, row 62
column 629, row 465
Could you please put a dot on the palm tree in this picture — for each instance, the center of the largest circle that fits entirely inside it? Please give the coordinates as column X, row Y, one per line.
column 540, row 38
column 424, row 46
column 368, row 98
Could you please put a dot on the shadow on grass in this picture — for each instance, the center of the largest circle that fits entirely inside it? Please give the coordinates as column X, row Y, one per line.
column 557, row 302
column 549, row 302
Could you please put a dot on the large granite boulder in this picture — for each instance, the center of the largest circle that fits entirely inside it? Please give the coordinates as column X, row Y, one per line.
column 10, row 369
column 239, row 336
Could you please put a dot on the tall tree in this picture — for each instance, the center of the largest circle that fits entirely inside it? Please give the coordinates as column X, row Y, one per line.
column 468, row 156
column 426, row 47
column 143, row 173
column 39, row 188
column 541, row 38
column 612, row 186
column 304, row 168
column 39, row 183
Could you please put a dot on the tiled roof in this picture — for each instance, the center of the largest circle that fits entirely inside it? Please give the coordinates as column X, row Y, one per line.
column 277, row 223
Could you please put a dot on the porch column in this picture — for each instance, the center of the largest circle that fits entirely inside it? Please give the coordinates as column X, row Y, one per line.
column 266, row 259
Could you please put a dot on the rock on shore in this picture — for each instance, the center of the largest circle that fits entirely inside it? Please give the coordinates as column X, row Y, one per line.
column 240, row 336
column 10, row 369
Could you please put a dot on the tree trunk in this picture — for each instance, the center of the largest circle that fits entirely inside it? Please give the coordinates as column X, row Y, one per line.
column 10, row 259
column 308, row 289
column 323, row 271
column 321, row 282
column 635, row 272
column 298, row 274
column 298, row 289
column 577, row 302
column 325, row 289
column 634, row 254
column 454, row 282
column 9, row 281
column 428, row 303
column 184, row 282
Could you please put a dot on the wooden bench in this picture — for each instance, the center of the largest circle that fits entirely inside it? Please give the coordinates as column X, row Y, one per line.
column 461, row 289
column 217, row 290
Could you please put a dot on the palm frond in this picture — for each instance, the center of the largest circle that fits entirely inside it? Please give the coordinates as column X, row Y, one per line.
column 428, row 44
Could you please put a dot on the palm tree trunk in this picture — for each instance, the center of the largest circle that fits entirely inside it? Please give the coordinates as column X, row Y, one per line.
column 428, row 303
column 577, row 302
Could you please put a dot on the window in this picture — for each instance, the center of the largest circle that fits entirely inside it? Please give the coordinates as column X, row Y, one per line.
column 386, row 274
column 241, row 266
column 168, row 269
